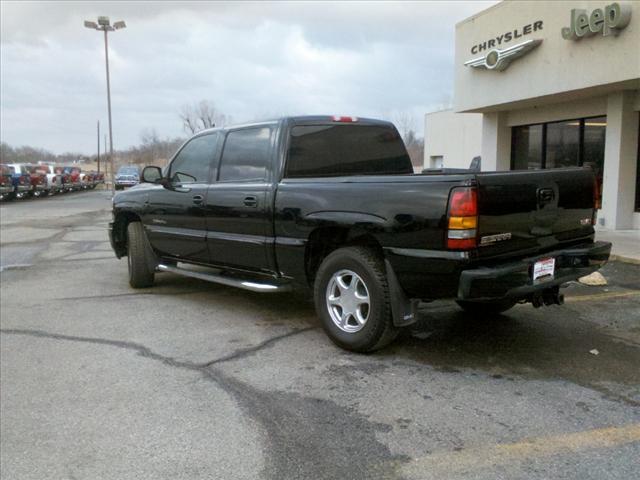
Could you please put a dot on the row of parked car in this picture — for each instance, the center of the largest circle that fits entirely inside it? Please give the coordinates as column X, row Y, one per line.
column 20, row 180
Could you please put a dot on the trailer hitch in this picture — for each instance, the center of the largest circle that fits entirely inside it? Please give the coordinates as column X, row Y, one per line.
column 547, row 297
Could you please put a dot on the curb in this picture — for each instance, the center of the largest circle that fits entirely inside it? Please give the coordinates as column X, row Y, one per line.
column 623, row 259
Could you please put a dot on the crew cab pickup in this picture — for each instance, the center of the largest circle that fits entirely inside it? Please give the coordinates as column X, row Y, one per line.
column 331, row 205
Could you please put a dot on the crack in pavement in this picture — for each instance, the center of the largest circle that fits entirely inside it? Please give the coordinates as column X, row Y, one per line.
column 148, row 353
column 296, row 427
column 244, row 352
column 131, row 294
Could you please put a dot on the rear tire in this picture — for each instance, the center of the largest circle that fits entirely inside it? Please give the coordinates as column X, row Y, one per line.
column 347, row 277
column 484, row 309
column 140, row 275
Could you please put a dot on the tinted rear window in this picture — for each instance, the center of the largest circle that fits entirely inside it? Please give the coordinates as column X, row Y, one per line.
column 337, row 150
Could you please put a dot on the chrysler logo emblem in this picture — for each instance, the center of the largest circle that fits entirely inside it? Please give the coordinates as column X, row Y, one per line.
column 499, row 59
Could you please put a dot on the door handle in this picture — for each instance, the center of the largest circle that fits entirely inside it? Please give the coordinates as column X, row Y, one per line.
column 197, row 199
column 250, row 201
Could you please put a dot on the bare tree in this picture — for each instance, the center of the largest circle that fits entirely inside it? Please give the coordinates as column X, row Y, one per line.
column 149, row 136
column 200, row 116
column 405, row 123
column 189, row 120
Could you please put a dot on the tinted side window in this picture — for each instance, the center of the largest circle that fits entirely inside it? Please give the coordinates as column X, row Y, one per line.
column 246, row 155
column 194, row 160
column 334, row 150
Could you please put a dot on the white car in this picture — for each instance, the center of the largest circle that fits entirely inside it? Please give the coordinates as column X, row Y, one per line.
column 54, row 180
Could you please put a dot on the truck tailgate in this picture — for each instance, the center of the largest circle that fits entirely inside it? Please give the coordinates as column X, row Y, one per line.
column 533, row 211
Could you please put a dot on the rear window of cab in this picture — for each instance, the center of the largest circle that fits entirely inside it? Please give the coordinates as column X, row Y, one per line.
column 342, row 150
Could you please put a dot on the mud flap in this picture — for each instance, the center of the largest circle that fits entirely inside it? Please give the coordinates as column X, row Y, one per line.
column 403, row 309
column 150, row 256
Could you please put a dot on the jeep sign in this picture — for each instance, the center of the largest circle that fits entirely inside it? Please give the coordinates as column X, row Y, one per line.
column 610, row 20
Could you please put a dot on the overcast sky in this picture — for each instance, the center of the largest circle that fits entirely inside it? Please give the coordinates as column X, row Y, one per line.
column 253, row 60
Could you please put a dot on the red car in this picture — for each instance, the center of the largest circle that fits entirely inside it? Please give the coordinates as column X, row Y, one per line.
column 39, row 183
column 7, row 189
column 75, row 180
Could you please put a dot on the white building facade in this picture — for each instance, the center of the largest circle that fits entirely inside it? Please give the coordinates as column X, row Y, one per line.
column 549, row 84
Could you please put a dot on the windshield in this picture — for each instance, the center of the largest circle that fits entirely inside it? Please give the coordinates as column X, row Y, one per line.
column 30, row 168
column 128, row 171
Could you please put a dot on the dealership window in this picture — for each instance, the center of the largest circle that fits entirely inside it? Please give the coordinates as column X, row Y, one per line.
column 569, row 143
column 526, row 151
column 562, row 145
column 637, row 206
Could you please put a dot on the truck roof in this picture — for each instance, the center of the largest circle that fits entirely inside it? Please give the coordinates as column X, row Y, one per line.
column 302, row 119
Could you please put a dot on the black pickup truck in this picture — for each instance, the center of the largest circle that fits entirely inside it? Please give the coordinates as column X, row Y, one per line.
column 331, row 204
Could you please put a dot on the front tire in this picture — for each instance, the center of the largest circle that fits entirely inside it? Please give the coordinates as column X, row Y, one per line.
column 484, row 309
column 352, row 300
column 140, row 275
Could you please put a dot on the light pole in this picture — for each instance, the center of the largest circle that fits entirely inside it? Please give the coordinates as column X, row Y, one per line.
column 105, row 26
column 98, row 146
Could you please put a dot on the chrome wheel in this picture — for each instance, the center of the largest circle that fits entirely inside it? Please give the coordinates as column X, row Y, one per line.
column 348, row 301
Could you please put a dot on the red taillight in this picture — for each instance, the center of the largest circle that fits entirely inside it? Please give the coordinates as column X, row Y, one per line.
column 461, row 243
column 343, row 119
column 463, row 202
column 462, row 219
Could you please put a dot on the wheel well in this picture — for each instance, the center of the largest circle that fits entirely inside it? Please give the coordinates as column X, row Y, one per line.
column 325, row 240
column 122, row 221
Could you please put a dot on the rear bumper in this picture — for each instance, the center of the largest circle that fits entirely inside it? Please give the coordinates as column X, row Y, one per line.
column 514, row 280
column 6, row 190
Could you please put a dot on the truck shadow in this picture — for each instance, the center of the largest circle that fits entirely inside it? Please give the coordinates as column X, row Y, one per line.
column 293, row 308
column 550, row 343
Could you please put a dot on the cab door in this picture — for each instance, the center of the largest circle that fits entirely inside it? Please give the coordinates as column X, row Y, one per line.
column 239, row 217
column 174, row 216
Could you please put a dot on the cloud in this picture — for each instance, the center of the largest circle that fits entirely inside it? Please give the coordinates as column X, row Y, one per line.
column 253, row 59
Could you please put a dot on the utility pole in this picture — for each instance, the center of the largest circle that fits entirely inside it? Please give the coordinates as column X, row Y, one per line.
column 106, row 56
column 105, row 151
column 98, row 146
column 105, row 25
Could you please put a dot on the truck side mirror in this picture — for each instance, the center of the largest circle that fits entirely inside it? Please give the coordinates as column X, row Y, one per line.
column 151, row 174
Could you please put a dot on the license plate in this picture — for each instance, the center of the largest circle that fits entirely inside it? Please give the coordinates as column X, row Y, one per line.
column 544, row 268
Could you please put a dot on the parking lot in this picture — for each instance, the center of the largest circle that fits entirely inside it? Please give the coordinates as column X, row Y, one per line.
column 195, row 380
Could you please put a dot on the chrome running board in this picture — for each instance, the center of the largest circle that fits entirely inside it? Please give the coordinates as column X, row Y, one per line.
column 254, row 286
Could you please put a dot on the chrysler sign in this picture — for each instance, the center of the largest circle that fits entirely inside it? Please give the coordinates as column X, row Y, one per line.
column 499, row 59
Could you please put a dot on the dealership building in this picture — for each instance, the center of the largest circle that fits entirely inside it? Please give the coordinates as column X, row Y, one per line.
column 548, row 84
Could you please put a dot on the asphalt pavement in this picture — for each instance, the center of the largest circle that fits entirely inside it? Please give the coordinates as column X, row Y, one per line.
column 194, row 380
